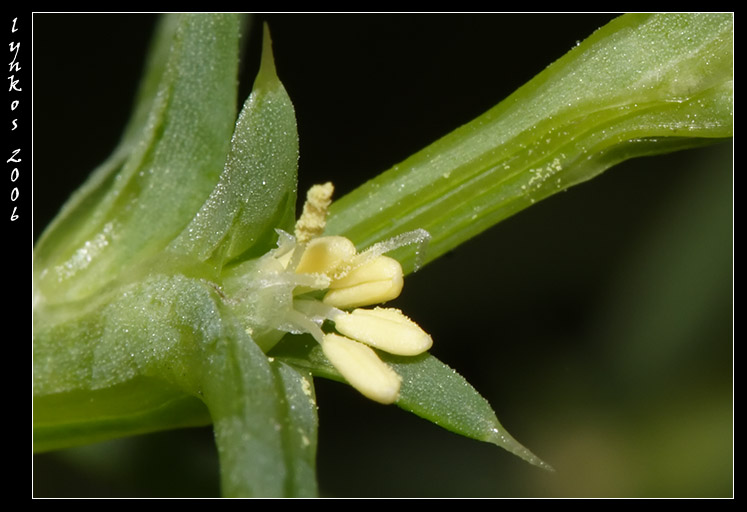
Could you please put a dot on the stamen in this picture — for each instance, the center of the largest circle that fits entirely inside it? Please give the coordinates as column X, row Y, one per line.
column 387, row 329
column 325, row 255
column 375, row 282
column 362, row 368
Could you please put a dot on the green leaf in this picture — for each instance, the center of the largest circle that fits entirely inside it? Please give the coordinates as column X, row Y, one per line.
column 168, row 163
column 264, row 417
column 128, row 364
column 436, row 392
column 641, row 85
column 138, row 406
column 256, row 192
column 430, row 389
column 298, row 402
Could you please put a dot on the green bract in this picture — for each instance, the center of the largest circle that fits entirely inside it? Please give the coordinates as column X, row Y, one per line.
column 150, row 307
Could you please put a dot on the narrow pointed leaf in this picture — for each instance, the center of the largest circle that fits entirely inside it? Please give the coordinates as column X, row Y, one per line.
column 262, row 416
column 300, row 426
column 436, row 392
column 256, row 192
column 78, row 205
column 165, row 171
column 641, row 85
column 430, row 389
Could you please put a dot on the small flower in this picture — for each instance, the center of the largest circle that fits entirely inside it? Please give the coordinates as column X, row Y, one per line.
column 349, row 280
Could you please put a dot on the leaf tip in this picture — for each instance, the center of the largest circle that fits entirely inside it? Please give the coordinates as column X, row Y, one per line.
column 267, row 66
column 501, row 438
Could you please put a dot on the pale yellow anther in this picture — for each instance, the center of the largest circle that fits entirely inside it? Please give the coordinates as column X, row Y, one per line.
column 374, row 282
column 387, row 329
column 325, row 255
column 362, row 368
